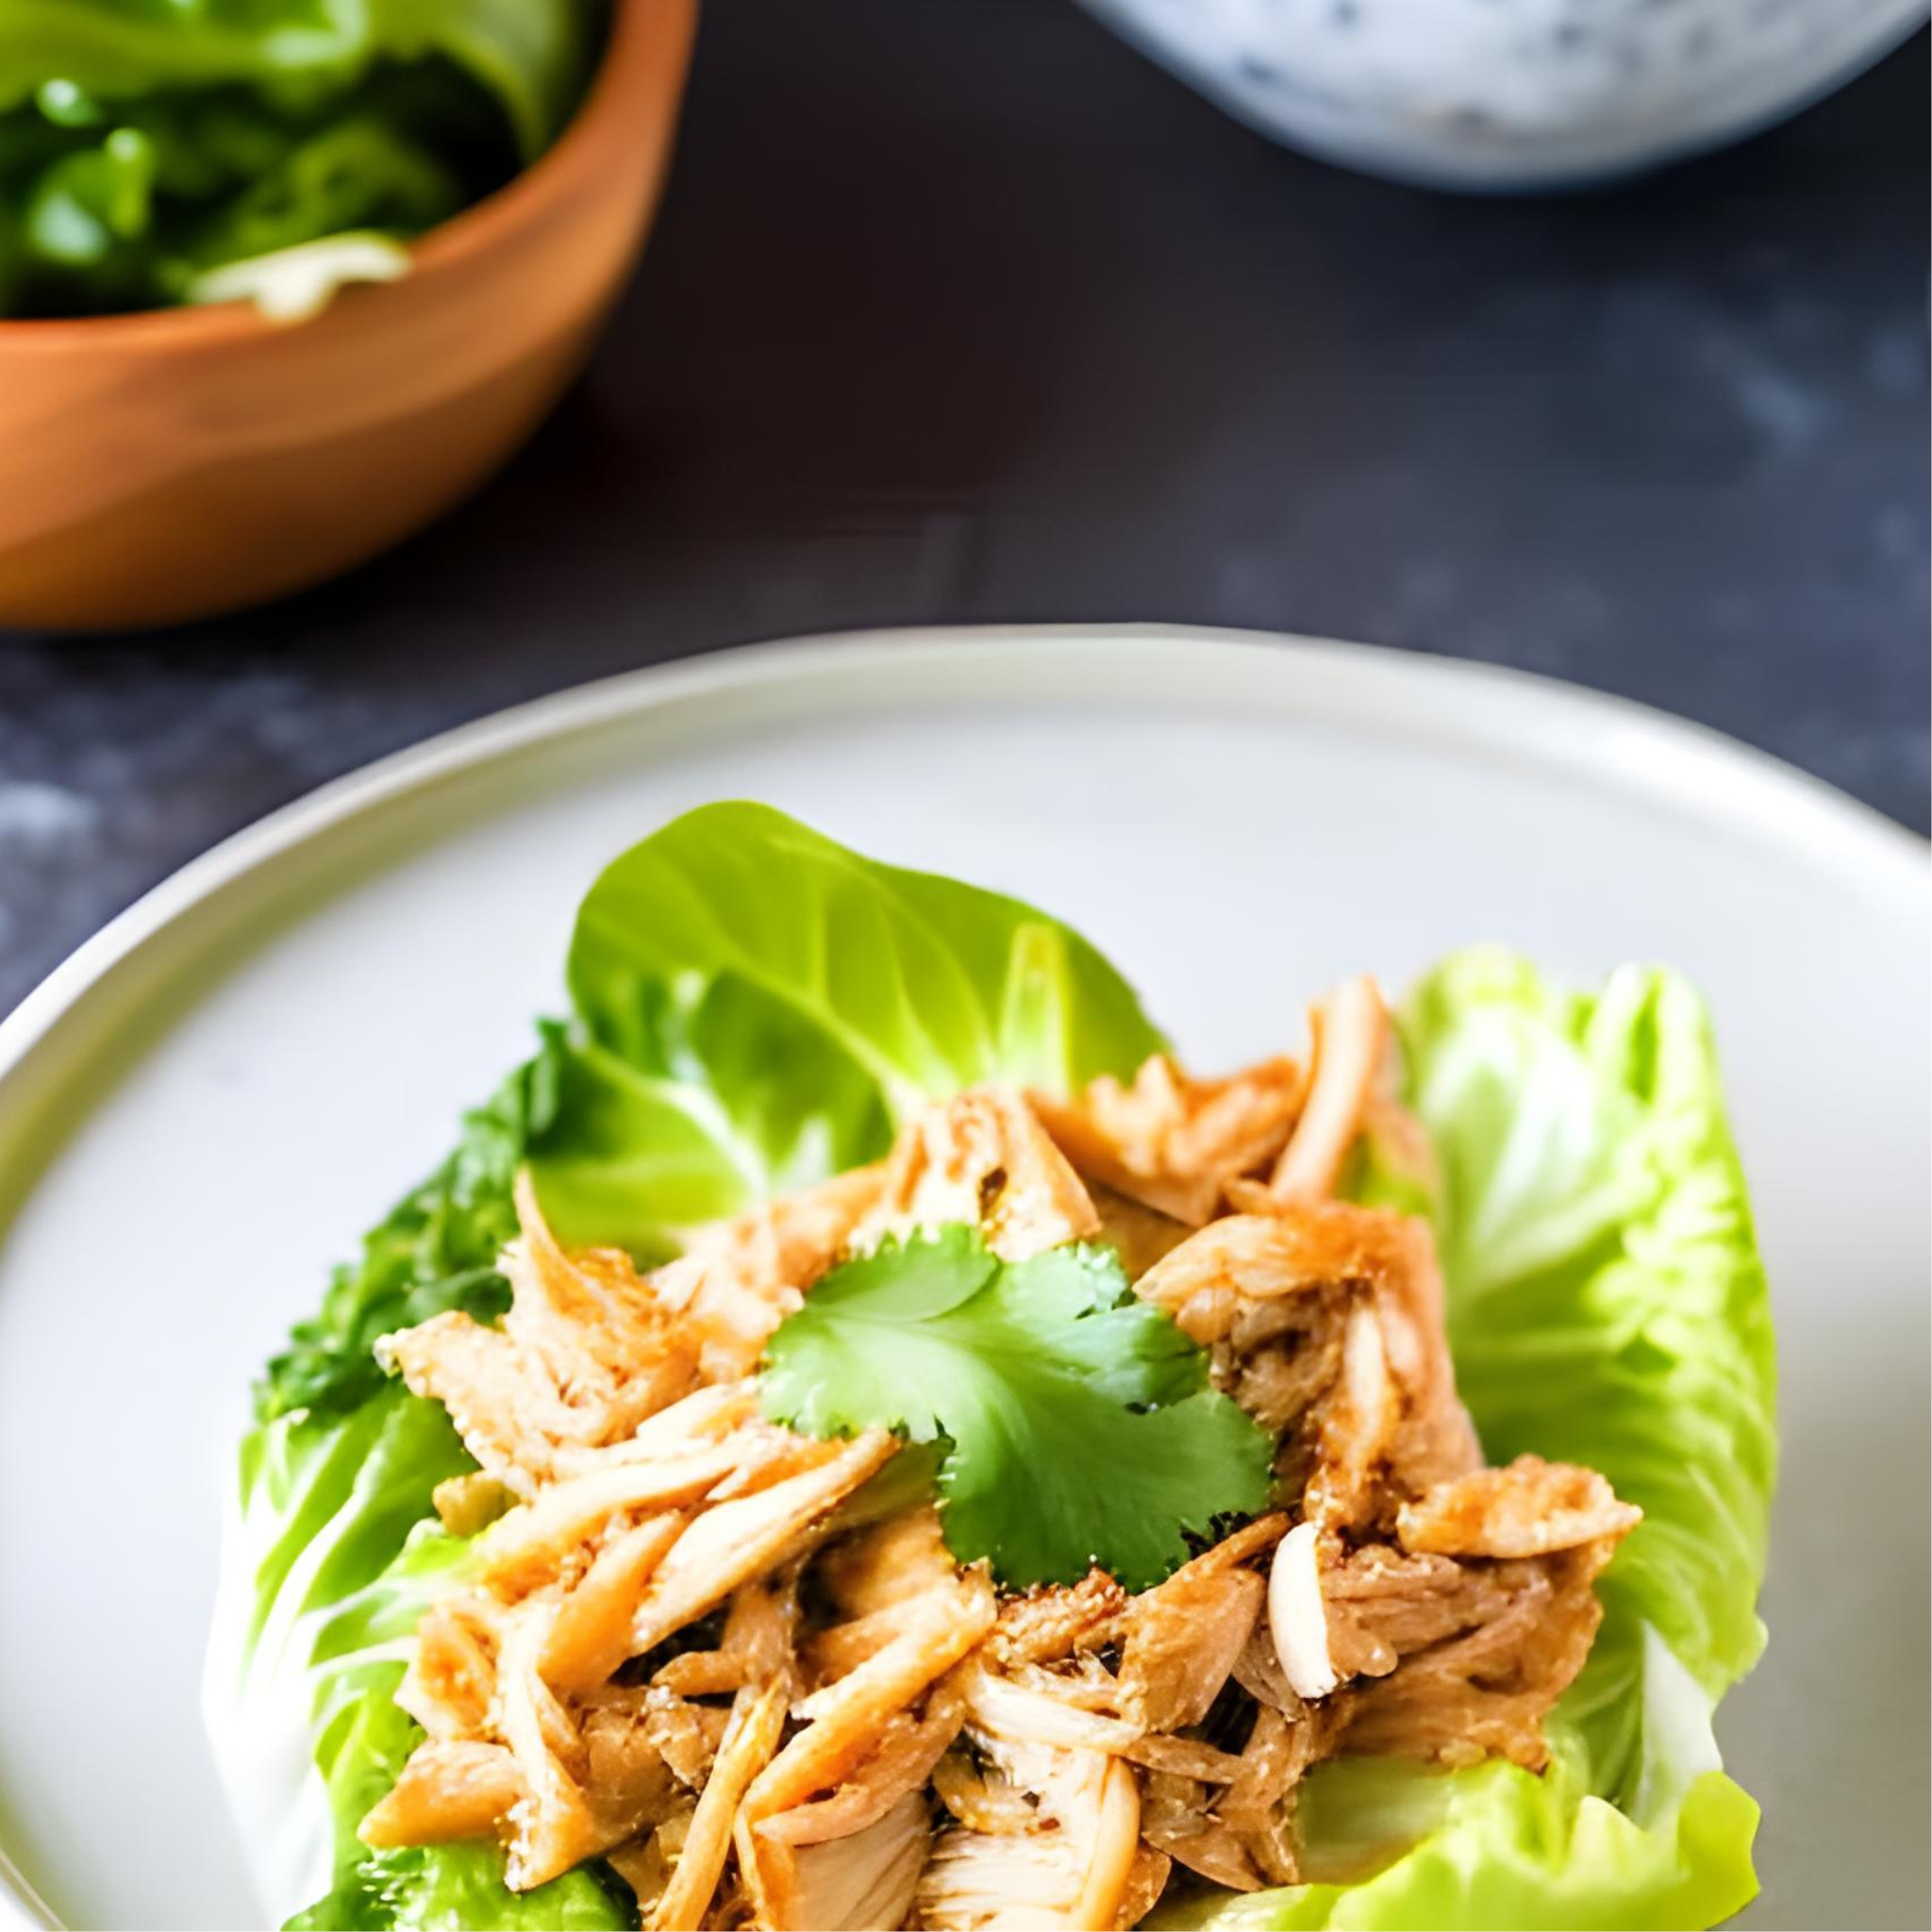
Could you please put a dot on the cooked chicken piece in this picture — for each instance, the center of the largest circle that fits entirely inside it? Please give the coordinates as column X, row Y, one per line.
column 778, row 1854
column 899, row 1762
column 771, row 1456
column 701, row 1673
column 1274, row 1760
column 538, row 1540
column 684, row 1733
column 1258, row 1672
column 1174, row 1144
column 1284, row 1354
column 585, row 1354
column 868, row 1577
column 646, row 1864
column 844, row 1719
column 626, row 1779
column 451, row 1680
column 1272, row 1846
column 1146, row 1881
column 1325, row 1322
column 982, row 1159
column 861, row 1743
column 757, row 1721
column 1175, row 1820
column 1356, row 1424
column 1245, row 1838
column 737, row 1281
column 612, row 1350
column 866, row 1881
column 1434, row 1440
column 1335, row 1617
column 454, row 1789
column 763, row 1624
column 1246, row 1270
column 727, row 1546
column 1528, row 1508
column 506, row 1417
column 693, row 1422
column 981, row 1796
column 887, row 1564
column 1184, row 1757
column 1467, row 1657
column 590, row 1633
column 1180, row 1640
column 1241, row 1545
column 1034, row 1712
column 1009, row 1882
column 1139, row 1235
column 1072, row 1870
column 1351, row 1029
column 841, row 1648
column 1051, row 1620
column 1083, row 1681
column 552, row 1825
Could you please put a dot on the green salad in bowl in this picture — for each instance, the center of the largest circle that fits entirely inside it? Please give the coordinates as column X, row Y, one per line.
column 155, row 152
column 856, row 1435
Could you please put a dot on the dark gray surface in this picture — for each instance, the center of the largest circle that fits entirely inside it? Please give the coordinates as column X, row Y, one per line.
column 959, row 310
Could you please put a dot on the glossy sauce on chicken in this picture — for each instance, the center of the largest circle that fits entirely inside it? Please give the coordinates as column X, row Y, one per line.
column 742, row 1664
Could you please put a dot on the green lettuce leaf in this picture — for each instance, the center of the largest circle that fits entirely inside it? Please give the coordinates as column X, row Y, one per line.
column 759, row 1006
column 1607, row 1305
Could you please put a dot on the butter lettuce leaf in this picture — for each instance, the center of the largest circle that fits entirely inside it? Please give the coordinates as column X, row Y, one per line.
column 758, row 1006
column 1607, row 1300
column 1607, row 1305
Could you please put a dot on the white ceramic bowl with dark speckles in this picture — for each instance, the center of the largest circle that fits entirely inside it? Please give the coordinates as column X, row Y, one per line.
column 1511, row 94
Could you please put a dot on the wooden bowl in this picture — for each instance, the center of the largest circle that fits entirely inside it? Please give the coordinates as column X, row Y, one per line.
column 178, row 462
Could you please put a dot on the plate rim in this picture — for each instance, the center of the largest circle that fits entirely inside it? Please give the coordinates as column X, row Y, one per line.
column 1631, row 748
column 1779, row 802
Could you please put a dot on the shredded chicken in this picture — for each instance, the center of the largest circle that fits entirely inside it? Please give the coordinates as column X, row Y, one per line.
column 1351, row 1029
column 678, row 1650
column 983, row 1159
column 737, row 1281
column 1173, row 1143
column 1528, row 1508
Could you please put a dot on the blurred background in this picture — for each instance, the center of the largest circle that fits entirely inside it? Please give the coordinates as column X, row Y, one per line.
column 963, row 311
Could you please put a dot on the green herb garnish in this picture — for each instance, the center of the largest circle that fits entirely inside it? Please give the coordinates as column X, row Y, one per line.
column 1078, row 1425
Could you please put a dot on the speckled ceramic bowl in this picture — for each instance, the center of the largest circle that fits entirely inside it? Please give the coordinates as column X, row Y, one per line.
column 173, row 464
column 1503, row 94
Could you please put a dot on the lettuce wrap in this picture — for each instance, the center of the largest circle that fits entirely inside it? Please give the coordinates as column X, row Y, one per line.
column 756, row 1008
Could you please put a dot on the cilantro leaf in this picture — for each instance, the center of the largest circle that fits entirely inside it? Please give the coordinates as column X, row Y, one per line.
column 1077, row 1423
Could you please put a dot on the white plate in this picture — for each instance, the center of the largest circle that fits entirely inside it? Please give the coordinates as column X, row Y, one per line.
column 204, row 1107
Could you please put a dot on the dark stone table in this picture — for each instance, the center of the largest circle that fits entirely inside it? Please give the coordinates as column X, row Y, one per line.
column 960, row 311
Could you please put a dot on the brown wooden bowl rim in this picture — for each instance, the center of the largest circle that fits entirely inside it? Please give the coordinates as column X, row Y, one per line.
column 628, row 66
